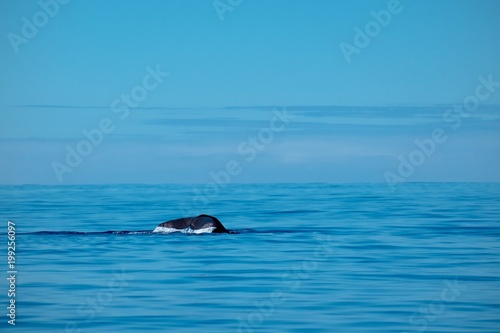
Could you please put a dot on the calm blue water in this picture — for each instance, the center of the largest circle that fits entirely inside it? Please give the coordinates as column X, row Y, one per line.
column 309, row 258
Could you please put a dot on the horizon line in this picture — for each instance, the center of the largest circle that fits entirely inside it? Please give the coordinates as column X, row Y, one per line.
column 245, row 106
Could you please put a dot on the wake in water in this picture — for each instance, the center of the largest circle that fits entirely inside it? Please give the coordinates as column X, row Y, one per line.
column 127, row 232
column 151, row 232
column 68, row 233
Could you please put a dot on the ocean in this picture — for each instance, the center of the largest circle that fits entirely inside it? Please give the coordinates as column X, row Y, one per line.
column 305, row 258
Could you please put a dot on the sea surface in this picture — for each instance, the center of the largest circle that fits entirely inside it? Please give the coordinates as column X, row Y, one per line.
column 305, row 258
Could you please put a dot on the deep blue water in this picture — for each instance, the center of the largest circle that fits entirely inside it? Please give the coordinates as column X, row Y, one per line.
column 309, row 258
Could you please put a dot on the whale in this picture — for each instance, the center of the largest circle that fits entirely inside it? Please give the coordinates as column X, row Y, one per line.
column 200, row 224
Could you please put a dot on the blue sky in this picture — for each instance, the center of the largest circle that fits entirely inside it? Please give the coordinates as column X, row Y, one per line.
column 226, row 78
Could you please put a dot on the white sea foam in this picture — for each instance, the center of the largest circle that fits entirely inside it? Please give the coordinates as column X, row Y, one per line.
column 187, row 230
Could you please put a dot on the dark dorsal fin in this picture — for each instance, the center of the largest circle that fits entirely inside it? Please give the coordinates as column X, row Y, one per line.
column 199, row 222
column 206, row 221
